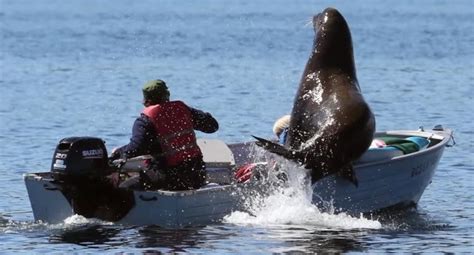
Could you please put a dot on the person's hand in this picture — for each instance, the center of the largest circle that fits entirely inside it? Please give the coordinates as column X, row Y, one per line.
column 115, row 154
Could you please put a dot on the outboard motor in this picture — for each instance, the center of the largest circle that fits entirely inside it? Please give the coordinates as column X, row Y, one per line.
column 80, row 169
column 80, row 157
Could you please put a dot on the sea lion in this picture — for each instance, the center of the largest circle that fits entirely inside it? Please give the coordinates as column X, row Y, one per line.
column 331, row 124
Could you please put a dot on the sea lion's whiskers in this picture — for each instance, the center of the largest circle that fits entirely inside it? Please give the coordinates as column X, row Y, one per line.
column 309, row 23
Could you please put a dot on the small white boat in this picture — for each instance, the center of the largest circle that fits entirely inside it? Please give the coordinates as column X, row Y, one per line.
column 386, row 180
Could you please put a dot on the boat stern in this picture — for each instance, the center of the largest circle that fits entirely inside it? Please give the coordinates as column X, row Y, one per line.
column 47, row 201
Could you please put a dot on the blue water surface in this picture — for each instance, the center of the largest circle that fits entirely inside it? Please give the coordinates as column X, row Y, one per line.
column 75, row 68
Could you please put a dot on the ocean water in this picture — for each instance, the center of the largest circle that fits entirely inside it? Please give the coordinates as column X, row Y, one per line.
column 75, row 68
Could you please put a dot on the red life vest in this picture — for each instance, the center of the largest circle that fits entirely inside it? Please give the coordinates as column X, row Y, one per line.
column 174, row 127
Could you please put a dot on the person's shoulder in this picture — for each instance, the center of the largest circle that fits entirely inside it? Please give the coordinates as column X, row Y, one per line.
column 143, row 120
column 182, row 104
column 178, row 102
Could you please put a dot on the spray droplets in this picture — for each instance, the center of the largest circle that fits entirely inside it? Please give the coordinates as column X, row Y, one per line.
column 289, row 202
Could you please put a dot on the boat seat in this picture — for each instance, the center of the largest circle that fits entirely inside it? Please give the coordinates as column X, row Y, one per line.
column 219, row 160
column 216, row 153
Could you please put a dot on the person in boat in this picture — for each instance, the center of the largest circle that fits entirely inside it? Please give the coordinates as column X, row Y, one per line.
column 165, row 130
column 280, row 128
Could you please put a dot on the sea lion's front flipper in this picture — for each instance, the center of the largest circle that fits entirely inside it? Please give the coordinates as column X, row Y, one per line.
column 275, row 148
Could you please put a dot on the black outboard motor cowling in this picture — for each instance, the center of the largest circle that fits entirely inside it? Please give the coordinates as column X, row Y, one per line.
column 80, row 157
column 79, row 168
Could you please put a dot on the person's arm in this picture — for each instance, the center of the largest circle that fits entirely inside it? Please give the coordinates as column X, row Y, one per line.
column 140, row 142
column 203, row 121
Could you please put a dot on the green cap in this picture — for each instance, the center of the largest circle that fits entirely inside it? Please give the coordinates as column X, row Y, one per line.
column 155, row 91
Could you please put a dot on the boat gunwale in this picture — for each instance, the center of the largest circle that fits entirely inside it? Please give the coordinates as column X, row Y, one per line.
column 178, row 193
column 444, row 136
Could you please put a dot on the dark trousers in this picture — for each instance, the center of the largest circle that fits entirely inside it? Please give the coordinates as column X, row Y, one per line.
column 188, row 175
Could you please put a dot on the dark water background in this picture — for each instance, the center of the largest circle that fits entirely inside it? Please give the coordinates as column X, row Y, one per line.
column 72, row 68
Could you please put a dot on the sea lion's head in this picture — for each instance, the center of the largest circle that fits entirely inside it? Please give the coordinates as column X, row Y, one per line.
column 333, row 42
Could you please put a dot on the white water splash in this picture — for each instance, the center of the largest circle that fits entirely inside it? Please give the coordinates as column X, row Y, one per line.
column 77, row 220
column 72, row 222
column 328, row 123
column 315, row 94
column 281, row 210
column 290, row 204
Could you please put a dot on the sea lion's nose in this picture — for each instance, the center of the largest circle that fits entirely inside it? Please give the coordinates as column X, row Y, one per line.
column 316, row 18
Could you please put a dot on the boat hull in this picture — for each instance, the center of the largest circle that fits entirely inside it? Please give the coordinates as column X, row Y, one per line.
column 164, row 208
column 395, row 183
